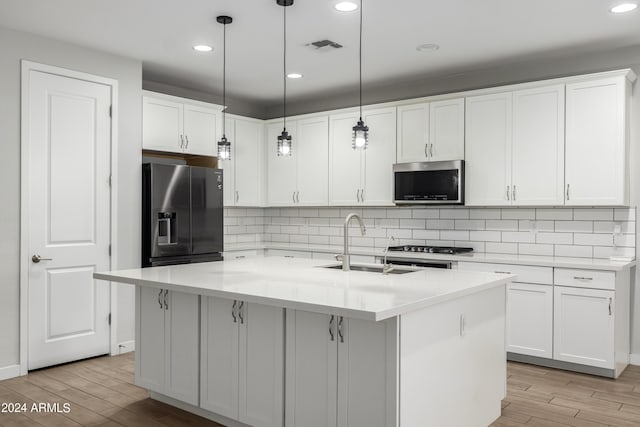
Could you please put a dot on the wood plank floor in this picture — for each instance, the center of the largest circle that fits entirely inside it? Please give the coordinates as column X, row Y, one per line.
column 100, row 392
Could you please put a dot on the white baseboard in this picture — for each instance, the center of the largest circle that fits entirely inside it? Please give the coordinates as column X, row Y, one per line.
column 10, row 371
column 634, row 359
column 126, row 347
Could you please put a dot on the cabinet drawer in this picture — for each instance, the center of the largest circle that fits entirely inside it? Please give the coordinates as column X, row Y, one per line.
column 593, row 279
column 525, row 273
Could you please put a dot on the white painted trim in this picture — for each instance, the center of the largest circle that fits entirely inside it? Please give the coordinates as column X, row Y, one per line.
column 10, row 371
column 26, row 68
column 634, row 359
column 126, row 347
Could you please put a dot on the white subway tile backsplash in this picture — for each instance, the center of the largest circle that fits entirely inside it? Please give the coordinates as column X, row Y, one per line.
column 575, row 226
column 469, row 224
column 593, row 214
column 559, row 214
column 485, row 214
column 454, row 213
column 575, row 232
column 502, row 225
column 518, row 214
column 454, row 235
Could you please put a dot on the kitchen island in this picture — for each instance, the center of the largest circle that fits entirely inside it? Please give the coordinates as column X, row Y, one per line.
column 278, row 341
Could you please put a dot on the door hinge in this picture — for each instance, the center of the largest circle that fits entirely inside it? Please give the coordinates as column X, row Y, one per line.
column 109, row 318
column 110, row 110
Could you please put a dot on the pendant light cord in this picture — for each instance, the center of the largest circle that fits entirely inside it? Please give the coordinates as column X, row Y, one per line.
column 284, row 68
column 224, row 80
column 360, row 59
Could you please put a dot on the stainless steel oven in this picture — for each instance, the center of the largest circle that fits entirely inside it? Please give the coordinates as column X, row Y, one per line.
column 424, row 183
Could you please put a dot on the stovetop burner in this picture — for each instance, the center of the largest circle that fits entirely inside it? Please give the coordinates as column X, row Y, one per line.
column 430, row 249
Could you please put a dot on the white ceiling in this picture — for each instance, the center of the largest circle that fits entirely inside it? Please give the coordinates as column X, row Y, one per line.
column 471, row 33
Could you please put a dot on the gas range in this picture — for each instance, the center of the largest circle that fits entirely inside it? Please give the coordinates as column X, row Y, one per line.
column 430, row 249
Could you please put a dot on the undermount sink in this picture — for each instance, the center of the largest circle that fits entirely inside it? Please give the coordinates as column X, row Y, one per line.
column 371, row 269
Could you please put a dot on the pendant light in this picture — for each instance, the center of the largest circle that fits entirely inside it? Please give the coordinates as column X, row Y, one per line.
column 224, row 145
column 284, row 139
column 360, row 138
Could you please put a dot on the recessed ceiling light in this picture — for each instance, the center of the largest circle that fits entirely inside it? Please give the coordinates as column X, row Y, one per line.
column 294, row 75
column 427, row 47
column 202, row 48
column 346, row 6
column 623, row 8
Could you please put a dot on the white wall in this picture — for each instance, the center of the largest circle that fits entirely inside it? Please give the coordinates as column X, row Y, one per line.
column 16, row 46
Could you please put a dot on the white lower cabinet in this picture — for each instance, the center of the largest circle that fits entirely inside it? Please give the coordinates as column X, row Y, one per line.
column 339, row 371
column 530, row 319
column 584, row 326
column 242, row 361
column 168, row 343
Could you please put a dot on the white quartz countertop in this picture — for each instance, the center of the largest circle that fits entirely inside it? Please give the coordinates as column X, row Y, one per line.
column 303, row 284
column 544, row 261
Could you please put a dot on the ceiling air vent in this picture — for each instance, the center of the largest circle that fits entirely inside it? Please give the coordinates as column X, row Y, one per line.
column 324, row 45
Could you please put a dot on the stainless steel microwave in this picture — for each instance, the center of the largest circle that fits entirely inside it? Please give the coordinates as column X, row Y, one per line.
column 425, row 183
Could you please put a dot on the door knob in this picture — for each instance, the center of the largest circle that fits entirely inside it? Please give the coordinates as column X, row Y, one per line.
column 37, row 258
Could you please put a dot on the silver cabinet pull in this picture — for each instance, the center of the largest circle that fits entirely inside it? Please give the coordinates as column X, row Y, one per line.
column 166, row 304
column 160, row 298
column 340, row 331
column 358, row 194
column 426, row 150
column 508, row 193
column 237, row 196
column 582, row 278
column 181, row 141
column 331, row 321
column 293, row 197
column 567, row 191
column 297, row 197
column 610, row 301
column 502, row 272
column 37, row 258
column 233, row 311
column 430, row 150
column 186, row 142
column 513, row 193
column 241, row 312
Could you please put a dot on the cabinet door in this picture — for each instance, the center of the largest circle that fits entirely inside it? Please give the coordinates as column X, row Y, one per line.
column 345, row 174
column 379, row 157
column 366, row 373
column 249, row 168
column 446, row 129
column 413, row 133
column 282, row 170
column 311, row 370
column 261, row 401
column 161, row 125
column 150, row 338
column 201, row 130
column 583, row 326
column 596, row 147
column 228, row 166
column 538, row 146
column 313, row 161
column 219, row 358
column 488, row 150
column 182, row 349
column 530, row 319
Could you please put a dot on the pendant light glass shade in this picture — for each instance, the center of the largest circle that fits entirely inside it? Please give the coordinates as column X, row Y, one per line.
column 360, row 137
column 284, row 139
column 224, row 145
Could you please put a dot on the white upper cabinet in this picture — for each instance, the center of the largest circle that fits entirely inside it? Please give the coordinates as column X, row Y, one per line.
column 537, row 172
column 176, row 125
column 488, row 150
column 362, row 177
column 302, row 178
column 243, row 173
column 431, row 131
column 597, row 142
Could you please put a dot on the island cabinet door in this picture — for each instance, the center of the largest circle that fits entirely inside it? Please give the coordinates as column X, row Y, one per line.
column 150, row 365
column 219, row 357
column 311, row 369
column 367, row 380
column 261, row 367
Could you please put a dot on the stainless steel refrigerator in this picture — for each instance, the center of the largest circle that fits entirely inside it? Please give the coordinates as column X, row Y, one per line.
column 182, row 214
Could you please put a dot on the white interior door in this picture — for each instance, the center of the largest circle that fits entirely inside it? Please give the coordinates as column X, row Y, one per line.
column 69, row 148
